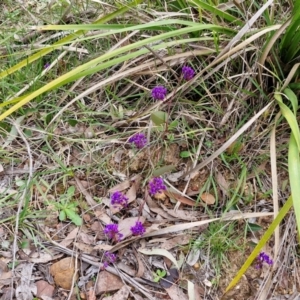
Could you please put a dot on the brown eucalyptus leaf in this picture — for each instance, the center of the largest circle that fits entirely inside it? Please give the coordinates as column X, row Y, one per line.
column 63, row 272
column 108, row 282
column 208, row 198
column 44, row 289
column 180, row 198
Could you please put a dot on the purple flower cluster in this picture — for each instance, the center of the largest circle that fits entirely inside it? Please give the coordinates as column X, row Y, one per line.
column 138, row 228
column 47, row 65
column 139, row 140
column 188, row 73
column 118, row 198
column 263, row 258
column 159, row 92
column 109, row 258
column 156, row 185
column 112, row 232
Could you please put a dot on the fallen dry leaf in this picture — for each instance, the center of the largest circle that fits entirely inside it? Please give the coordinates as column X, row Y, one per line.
column 176, row 293
column 141, row 268
column 25, row 287
column 122, row 294
column 120, row 187
column 161, row 252
column 63, row 272
column 183, row 214
column 103, row 247
column 223, row 184
column 84, row 247
column 208, row 198
column 107, row 282
column 181, row 198
column 89, row 199
column 44, row 289
column 91, row 295
column 69, row 238
column 177, row 240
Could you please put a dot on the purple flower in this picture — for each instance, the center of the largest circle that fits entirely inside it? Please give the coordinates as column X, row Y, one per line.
column 139, row 139
column 138, row 228
column 188, row 73
column 118, row 198
column 47, row 65
column 263, row 258
column 156, row 185
column 159, row 92
column 109, row 258
column 112, row 231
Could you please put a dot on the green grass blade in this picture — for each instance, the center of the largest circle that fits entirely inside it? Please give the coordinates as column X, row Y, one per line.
column 293, row 98
column 294, row 175
column 224, row 15
column 290, row 117
column 282, row 213
column 77, row 71
column 66, row 39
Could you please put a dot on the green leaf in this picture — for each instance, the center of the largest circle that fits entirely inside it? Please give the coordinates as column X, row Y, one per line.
column 294, row 175
column 293, row 98
column 159, row 117
column 74, row 217
column 290, row 117
column 163, row 170
column 72, row 122
column 71, row 191
column 252, row 227
column 173, row 124
column 62, row 215
column 222, row 14
column 185, row 154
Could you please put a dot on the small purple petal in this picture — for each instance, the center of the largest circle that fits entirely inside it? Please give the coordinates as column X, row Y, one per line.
column 188, row 73
column 138, row 228
column 47, row 65
column 139, row 139
column 112, row 232
column 263, row 258
column 118, row 198
column 156, row 185
column 159, row 92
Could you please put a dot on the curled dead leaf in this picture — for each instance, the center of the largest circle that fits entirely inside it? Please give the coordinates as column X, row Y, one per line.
column 208, row 198
column 63, row 272
column 181, row 198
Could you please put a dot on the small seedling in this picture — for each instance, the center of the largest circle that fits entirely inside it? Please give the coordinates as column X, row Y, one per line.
column 159, row 275
column 68, row 209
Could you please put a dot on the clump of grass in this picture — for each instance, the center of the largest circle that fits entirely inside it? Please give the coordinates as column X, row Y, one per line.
column 218, row 240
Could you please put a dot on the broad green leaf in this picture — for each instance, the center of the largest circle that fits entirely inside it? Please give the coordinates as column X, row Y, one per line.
column 163, row 170
column 74, row 217
column 293, row 98
column 294, row 176
column 215, row 11
column 185, row 154
column 282, row 213
column 159, row 117
column 62, row 215
column 252, row 227
column 290, row 117
column 71, row 191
